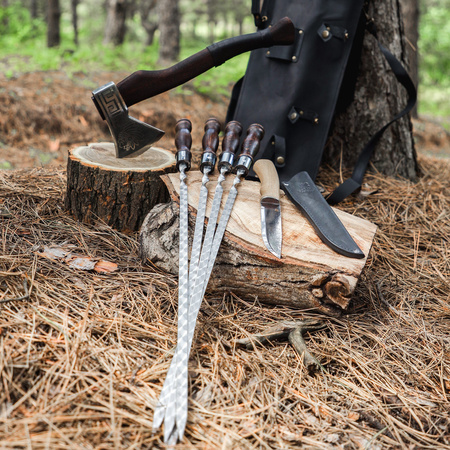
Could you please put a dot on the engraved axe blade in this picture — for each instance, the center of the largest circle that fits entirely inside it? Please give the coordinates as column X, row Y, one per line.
column 131, row 136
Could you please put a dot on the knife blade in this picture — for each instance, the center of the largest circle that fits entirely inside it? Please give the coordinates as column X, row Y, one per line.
column 271, row 229
column 303, row 192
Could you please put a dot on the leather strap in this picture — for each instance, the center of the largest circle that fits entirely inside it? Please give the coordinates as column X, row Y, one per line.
column 259, row 11
column 353, row 183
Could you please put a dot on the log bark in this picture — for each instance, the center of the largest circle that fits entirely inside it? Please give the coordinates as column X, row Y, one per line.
column 378, row 97
column 119, row 192
column 309, row 275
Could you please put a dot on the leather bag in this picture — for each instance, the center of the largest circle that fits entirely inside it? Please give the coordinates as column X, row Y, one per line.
column 294, row 91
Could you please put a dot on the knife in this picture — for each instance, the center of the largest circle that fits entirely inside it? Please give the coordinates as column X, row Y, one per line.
column 270, row 205
column 303, row 192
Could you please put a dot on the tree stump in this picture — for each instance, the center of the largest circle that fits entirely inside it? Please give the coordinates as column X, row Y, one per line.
column 309, row 275
column 119, row 192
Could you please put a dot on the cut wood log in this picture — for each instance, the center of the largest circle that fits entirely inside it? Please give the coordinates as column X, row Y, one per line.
column 120, row 192
column 309, row 276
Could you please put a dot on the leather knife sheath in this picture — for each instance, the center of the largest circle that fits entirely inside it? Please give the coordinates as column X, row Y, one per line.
column 303, row 192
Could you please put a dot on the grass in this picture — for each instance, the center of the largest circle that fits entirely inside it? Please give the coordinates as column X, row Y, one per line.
column 23, row 49
column 433, row 100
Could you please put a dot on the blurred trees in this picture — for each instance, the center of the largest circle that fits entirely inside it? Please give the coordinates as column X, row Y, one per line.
column 149, row 19
column 115, row 27
column 53, row 23
column 194, row 23
column 410, row 11
column 169, row 31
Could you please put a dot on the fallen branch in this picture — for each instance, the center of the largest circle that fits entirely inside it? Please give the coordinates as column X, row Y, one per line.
column 18, row 299
column 291, row 330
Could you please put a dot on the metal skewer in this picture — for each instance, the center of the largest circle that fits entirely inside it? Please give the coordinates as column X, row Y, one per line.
column 250, row 148
column 183, row 142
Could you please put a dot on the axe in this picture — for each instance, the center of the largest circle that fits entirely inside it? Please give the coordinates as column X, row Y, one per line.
column 131, row 136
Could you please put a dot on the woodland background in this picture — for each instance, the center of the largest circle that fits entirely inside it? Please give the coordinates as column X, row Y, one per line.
column 83, row 353
column 77, row 35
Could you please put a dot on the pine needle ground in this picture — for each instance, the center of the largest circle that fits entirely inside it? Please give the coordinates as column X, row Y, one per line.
column 83, row 354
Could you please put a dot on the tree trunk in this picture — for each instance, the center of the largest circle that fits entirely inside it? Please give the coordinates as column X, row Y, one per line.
column 5, row 21
column 74, row 4
column 169, row 31
column 115, row 27
column 378, row 97
column 410, row 13
column 34, row 9
column 53, row 23
column 211, row 11
column 149, row 19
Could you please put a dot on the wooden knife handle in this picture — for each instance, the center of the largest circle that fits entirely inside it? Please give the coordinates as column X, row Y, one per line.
column 268, row 175
column 144, row 84
column 250, row 147
column 210, row 144
column 230, row 145
column 183, row 142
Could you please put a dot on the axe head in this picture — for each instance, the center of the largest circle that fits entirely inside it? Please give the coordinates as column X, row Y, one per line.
column 131, row 136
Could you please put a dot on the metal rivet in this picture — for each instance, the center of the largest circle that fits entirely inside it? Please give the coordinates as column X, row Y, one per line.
column 301, row 113
column 300, row 31
column 294, row 58
column 325, row 34
column 293, row 116
column 268, row 52
column 280, row 160
column 264, row 18
column 316, row 120
column 346, row 35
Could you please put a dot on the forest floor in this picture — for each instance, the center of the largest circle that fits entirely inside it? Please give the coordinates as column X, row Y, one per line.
column 84, row 349
column 42, row 114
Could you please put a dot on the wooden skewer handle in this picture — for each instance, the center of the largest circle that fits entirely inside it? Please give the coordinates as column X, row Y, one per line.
column 210, row 144
column 250, row 147
column 230, row 145
column 183, row 143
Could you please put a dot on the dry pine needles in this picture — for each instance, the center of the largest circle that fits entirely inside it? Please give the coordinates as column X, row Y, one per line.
column 83, row 353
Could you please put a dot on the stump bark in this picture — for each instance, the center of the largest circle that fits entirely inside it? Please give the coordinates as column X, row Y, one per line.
column 120, row 192
column 309, row 275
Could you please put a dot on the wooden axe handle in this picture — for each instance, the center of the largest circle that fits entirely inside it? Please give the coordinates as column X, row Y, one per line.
column 144, row 84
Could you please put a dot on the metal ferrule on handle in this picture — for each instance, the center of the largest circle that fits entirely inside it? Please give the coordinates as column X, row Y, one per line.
column 244, row 164
column 226, row 161
column 208, row 161
column 184, row 156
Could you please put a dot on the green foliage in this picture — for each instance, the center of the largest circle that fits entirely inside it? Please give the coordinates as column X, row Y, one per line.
column 434, row 44
column 16, row 25
column 23, row 45
column 434, row 58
